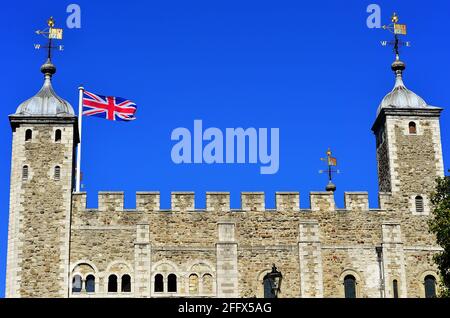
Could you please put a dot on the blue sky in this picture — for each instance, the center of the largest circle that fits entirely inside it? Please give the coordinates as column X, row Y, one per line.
column 310, row 68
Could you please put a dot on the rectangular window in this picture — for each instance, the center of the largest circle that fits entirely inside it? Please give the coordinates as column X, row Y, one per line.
column 395, row 288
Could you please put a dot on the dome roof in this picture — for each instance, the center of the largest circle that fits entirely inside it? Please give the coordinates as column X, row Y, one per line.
column 400, row 96
column 46, row 102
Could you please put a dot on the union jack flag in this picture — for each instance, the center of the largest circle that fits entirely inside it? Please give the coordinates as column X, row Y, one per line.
column 108, row 107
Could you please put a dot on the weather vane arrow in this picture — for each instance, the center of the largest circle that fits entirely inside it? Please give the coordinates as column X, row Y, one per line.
column 397, row 29
column 51, row 33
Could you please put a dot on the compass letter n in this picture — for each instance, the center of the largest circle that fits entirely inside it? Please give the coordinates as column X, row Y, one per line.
column 374, row 19
column 74, row 19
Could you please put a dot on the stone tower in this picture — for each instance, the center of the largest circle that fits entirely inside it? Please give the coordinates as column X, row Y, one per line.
column 408, row 143
column 44, row 137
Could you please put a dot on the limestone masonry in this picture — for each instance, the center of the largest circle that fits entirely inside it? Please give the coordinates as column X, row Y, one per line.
column 59, row 248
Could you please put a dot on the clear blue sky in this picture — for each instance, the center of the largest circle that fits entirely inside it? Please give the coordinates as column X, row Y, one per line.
column 311, row 68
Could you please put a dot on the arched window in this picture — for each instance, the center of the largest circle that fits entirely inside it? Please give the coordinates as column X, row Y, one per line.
column 350, row 286
column 25, row 172
column 112, row 284
column 412, row 128
column 159, row 283
column 76, row 284
column 193, row 284
column 395, row 288
column 172, row 283
column 28, row 135
column 57, row 173
column 126, row 283
column 268, row 290
column 58, row 135
column 90, row 284
column 430, row 286
column 207, row 283
column 419, row 204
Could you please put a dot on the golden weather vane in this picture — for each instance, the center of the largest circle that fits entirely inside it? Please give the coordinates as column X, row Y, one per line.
column 51, row 33
column 397, row 29
column 331, row 162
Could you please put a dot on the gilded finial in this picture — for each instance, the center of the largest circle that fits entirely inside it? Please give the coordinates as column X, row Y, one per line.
column 51, row 22
column 394, row 18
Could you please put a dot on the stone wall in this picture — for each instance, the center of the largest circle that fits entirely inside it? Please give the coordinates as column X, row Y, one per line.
column 313, row 248
column 416, row 159
column 40, row 204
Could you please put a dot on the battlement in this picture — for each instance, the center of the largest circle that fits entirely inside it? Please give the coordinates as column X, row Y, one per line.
column 220, row 202
column 356, row 201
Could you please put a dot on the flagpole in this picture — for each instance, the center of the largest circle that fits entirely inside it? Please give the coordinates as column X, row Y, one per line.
column 80, row 119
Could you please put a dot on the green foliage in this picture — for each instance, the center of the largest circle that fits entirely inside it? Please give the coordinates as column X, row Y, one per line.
column 440, row 226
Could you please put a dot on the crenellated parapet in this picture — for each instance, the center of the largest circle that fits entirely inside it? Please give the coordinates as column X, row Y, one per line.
column 253, row 201
column 110, row 201
column 182, row 201
column 356, row 201
column 218, row 201
column 111, row 213
column 287, row 201
column 149, row 202
column 322, row 201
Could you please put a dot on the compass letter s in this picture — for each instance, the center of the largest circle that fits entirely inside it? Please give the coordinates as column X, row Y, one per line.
column 374, row 19
column 74, row 19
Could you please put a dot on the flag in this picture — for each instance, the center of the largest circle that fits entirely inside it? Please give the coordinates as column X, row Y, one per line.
column 108, row 107
column 399, row 29
column 332, row 161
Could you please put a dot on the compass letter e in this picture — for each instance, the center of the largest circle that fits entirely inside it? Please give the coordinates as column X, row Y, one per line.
column 74, row 19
